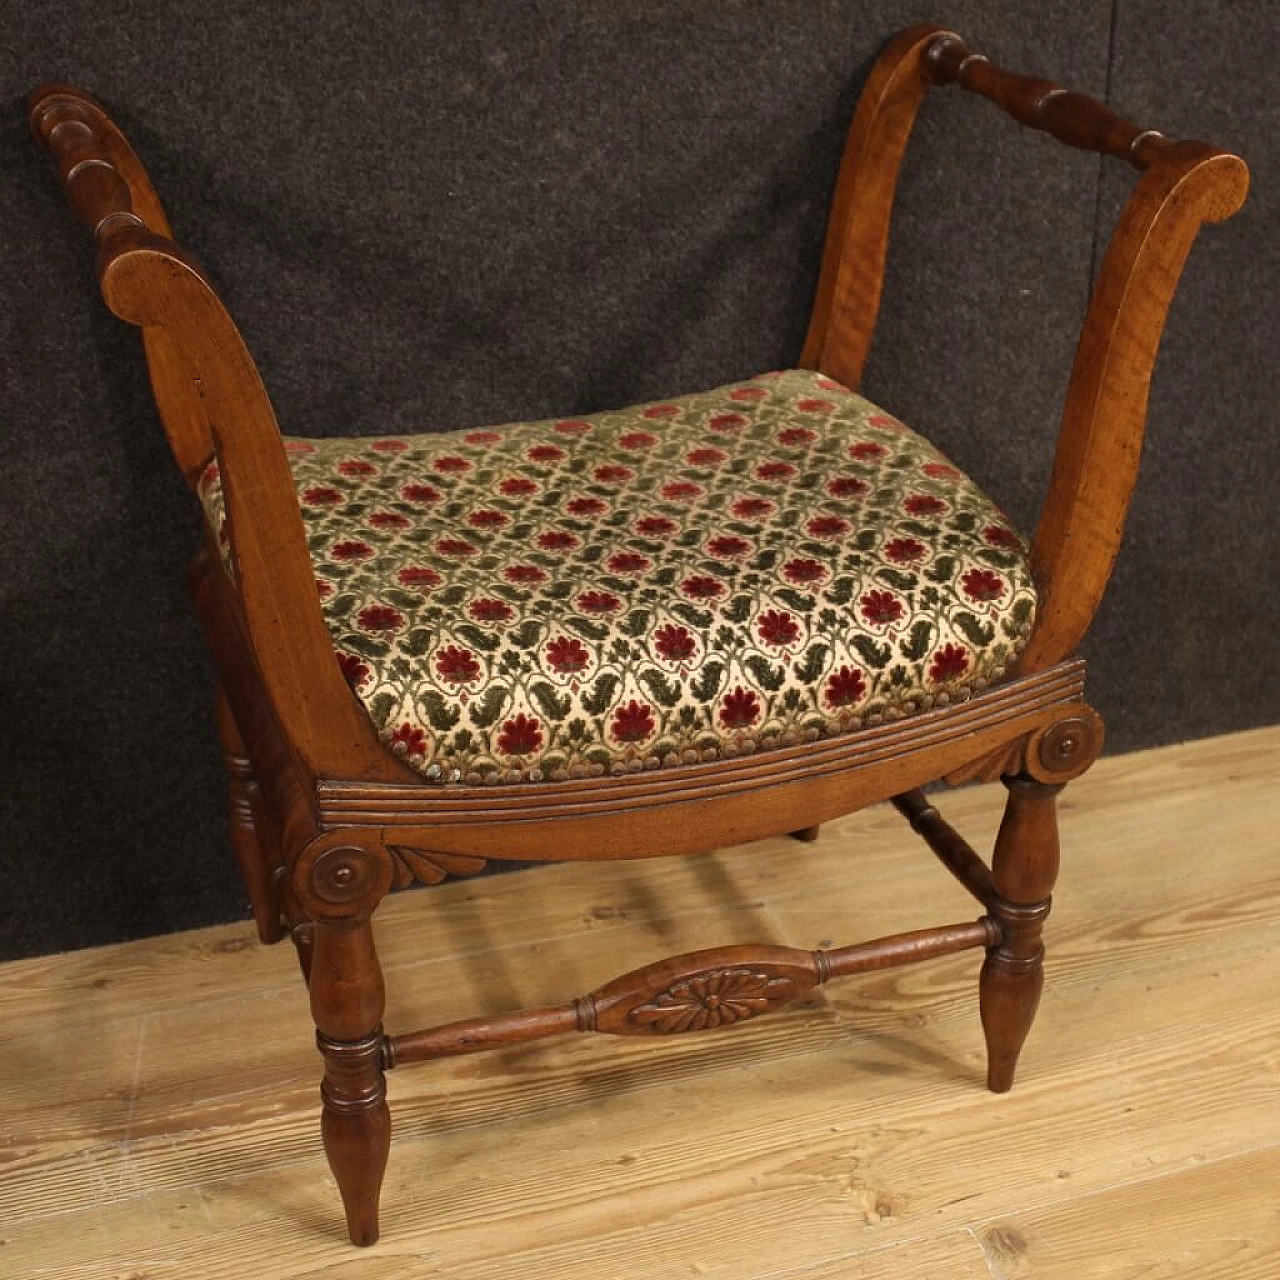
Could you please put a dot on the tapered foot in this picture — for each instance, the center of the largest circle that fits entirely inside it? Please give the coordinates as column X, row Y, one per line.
column 347, row 1002
column 1023, row 872
column 356, row 1128
column 1009, row 994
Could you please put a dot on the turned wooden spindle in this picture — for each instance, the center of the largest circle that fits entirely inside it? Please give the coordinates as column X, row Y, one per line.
column 258, row 874
column 694, row 992
column 347, row 1000
column 98, row 193
column 1024, row 869
column 1073, row 118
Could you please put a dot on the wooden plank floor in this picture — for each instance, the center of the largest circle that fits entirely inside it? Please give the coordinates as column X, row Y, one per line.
column 159, row 1098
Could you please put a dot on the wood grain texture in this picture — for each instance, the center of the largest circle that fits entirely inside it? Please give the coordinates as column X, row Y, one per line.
column 1143, row 1139
column 328, row 820
column 1184, row 185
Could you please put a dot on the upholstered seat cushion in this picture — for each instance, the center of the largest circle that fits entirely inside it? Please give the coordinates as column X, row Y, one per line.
column 770, row 562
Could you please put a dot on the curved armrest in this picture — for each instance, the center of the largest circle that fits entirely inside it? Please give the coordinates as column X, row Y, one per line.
column 1184, row 185
column 214, row 407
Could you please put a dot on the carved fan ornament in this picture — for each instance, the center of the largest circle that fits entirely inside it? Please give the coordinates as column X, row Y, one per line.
column 408, row 865
column 714, row 999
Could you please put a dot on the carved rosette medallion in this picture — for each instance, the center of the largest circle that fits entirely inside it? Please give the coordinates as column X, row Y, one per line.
column 714, row 999
column 336, row 877
column 1066, row 748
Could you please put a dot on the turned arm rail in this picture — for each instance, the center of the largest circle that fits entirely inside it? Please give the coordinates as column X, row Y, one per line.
column 1183, row 185
column 215, row 409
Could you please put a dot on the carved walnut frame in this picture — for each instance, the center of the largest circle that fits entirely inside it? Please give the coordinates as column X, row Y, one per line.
column 326, row 821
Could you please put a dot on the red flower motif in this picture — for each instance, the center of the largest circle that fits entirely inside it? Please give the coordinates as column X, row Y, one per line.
column 748, row 393
column 612, row 474
column 321, row 497
column 545, row 453
column 728, row 546
column 866, row 451
column 628, row 562
column 487, row 519
column 421, row 493
column 940, row 471
column 388, row 446
column 949, row 661
column 883, row 422
column 451, row 463
column 457, row 665
column 999, row 536
column 482, row 437
column 572, row 427
column 830, row 384
column 380, row 617
column 489, row 610
column 586, row 507
column 354, row 467
column 518, row 487
column 557, row 540
column 520, row 735
column 298, row 446
column 740, row 708
column 794, row 436
column 700, row 587
column 827, row 527
column 681, row 490
column 881, row 607
column 802, row 571
column 657, row 412
column 982, row 584
column 636, row 440
column 673, row 643
column 778, row 628
column 633, row 723
column 847, row 487
column 725, row 424
column 455, row 547
column 748, row 508
column 409, row 740
column 352, row 550
column 566, row 655
column 656, row 526
column 419, row 576
column 324, row 589
column 598, row 602
column 775, row 471
column 389, row 520
column 354, row 669
column 924, row 504
column 813, row 405
column 705, row 457
column 905, row 550
column 845, row 687
column 524, row 573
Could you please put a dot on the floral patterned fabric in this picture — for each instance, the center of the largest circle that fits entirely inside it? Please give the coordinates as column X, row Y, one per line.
column 767, row 563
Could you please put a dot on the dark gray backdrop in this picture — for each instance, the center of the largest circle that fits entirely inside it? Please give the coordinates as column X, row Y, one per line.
column 431, row 216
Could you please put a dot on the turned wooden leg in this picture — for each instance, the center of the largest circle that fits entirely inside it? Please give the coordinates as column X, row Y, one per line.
column 807, row 835
column 1024, row 869
column 347, row 1002
column 245, row 840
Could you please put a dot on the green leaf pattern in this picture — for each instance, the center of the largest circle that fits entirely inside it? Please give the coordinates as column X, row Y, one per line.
column 761, row 564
